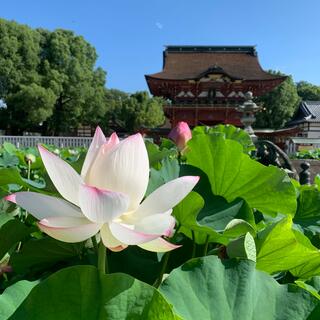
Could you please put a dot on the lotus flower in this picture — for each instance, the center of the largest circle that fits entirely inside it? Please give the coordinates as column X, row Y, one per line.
column 180, row 134
column 107, row 197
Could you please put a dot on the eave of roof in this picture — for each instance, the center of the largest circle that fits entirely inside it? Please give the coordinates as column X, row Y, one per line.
column 308, row 111
column 187, row 64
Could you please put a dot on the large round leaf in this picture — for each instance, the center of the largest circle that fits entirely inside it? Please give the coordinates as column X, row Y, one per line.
column 233, row 174
column 308, row 211
column 281, row 248
column 82, row 293
column 230, row 132
column 13, row 296
column 206, row 288
column 206, row 229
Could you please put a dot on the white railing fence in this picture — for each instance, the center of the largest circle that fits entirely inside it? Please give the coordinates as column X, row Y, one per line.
column 33, row 141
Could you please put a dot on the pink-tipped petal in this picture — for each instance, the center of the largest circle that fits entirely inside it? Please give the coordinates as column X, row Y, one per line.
column 124, row 169
column 159, row 245
column 113, row 140
column 98, row 140
column 110, row 241
column 102, row 205
column 69, row 229
column 118, row 248
column 11, row 198
column 166, row 197
column 42, row 206
column 63, row 176
column 160, row 223
column 129, row 236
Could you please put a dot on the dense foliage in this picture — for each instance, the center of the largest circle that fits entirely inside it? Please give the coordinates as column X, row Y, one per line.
column 49, row 83
column 131, row 112
column 278, row 105
column 249, row 241
column 47, row 77
column 308, row 154
column 308, row 91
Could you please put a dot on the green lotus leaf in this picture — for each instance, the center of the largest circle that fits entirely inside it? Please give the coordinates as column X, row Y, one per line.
column 169, row 171
column 233, row 174
column 82, row 292
column 206, row 288
column 186, row 213
column 230, row 132
column 308, row 211
column 243, row 247
column 13, row 296
column 8, row 160
column 281, row 248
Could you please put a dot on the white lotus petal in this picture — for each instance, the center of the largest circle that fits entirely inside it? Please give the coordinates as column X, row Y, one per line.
column 69, row 229
column 102, row 205
column 166, row 197
column 109, row 240
column 102, row 152
column 98, row 140
column 159, row 245
column 124, row 169
column 129, row 236
column 63, row 176
column 42, row 206
column 156, row 224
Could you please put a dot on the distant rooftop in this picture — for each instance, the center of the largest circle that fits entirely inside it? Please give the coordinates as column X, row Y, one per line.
column 308, row 111
column 245, row 49
column 194, row 62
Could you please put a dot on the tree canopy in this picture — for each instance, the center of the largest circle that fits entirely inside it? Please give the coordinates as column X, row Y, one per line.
column 131, row 112
column 48, row 81
column 48, row 77
column 308, row 91
column 278, row 105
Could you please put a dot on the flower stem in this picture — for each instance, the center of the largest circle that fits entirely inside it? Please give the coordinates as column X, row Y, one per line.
column 165, row 260
column 28, row 176
column 29, row 170
column 102, row 258
column 94, row 243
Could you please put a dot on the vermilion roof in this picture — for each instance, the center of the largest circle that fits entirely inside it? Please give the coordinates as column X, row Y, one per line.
column 189, row 62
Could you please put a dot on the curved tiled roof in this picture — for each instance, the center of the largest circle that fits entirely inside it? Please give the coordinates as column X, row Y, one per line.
column 187, row 62
column 308, row 111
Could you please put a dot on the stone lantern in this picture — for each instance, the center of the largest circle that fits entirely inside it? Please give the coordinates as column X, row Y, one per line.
column 248, row 110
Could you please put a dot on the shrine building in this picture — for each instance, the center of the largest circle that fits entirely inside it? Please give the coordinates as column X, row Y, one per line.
column 205, row 84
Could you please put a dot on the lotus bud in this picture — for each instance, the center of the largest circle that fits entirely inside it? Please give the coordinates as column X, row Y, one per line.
column 180, row 134
column 30, row 158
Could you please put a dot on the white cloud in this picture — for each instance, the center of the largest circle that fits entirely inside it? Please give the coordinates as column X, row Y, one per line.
column 159, row 25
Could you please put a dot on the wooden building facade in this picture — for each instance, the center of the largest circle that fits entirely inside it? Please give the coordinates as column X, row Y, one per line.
column 205, row 84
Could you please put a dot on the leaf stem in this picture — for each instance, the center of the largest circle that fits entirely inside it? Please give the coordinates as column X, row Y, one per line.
column 165, row 260
column 102, row 258
column 205, row 249
column 194, row 245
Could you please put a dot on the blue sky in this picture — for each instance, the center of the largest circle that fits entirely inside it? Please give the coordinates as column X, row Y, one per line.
column 129, row 35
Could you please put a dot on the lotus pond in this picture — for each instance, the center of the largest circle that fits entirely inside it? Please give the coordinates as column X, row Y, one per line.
column 243, row 244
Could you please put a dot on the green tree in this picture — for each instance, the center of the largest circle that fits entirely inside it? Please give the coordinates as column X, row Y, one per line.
column 308, row 91
column 55, row 75
column 130, row 113
column 32, row 104
column 278, row 105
